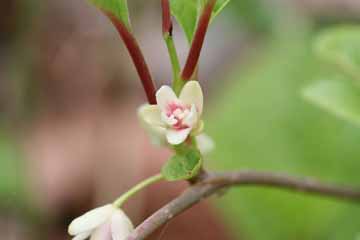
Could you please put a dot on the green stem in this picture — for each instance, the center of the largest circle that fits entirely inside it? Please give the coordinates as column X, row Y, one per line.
column 178, row 83
column 137, row 188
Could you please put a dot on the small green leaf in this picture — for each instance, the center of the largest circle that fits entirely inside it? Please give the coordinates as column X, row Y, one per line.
column 187, row 13
column 341, row 46
column 338, row 96
column 118, row 8
column 184, row 165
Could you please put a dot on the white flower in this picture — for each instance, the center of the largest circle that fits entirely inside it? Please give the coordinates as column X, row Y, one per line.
column 103, row 223
column 174, row 118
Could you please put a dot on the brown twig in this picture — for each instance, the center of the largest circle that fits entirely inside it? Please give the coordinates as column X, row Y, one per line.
column 214, row 182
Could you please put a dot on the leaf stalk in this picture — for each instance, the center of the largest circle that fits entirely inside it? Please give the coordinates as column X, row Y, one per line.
column 198, row 41
column 137, row 57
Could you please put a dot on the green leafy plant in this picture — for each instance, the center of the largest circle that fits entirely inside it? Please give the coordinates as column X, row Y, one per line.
column 194, row 17
column 172, row 116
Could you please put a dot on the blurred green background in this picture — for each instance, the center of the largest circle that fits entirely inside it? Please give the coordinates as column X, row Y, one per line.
column 272, row 128
column 256, row 113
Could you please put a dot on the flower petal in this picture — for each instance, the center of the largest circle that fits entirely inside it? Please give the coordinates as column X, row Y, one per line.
column 150, row 119
column 158, row 137
column 197, row 130
column 91, row 220
column 192, row 94
column 192, row 118
column 103, row 232
column 82, row 236
column 205, row 144
column 121, row 226
column 150, row 114
column 176, row 137
column 164, row 96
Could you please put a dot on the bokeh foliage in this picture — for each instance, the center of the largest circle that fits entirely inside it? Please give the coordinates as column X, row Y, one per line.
column 339, row 90
column 272, row 128
column 261, row 121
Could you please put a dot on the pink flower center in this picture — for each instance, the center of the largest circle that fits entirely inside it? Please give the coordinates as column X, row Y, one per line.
column 176, row 113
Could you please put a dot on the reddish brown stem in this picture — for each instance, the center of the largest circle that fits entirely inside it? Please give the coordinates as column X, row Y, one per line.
column 198, row 41
column 137, row 57
column 166, row 17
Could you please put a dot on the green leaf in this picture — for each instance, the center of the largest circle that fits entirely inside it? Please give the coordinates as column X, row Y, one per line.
column 338, row 96
column 118, row 8
column 341, row 46
column 184, row 165
column 187, row 13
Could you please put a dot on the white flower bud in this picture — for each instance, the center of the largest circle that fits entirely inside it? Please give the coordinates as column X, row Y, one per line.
column 103, row 223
